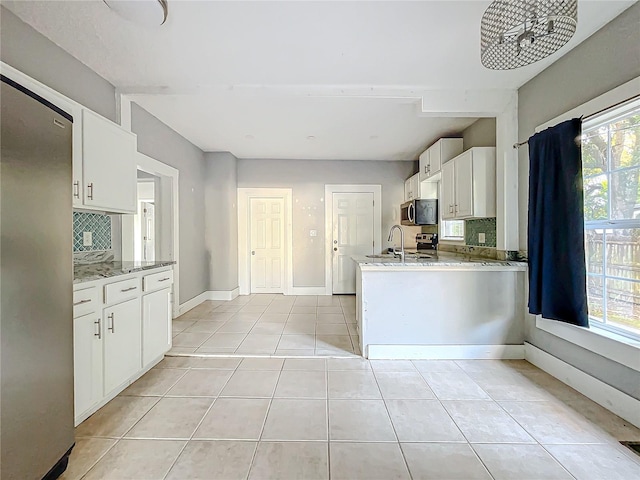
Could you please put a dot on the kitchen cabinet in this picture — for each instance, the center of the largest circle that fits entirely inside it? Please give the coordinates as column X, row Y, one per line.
column 436, row 155
column 108, row 165
column 468, row 187
column 122, row 328
column 122, row 343
column 412, row 188
column 87, row 360
column 156, row 325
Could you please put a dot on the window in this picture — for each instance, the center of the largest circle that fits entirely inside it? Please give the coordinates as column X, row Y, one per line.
column 611, row 178
column 452, row 230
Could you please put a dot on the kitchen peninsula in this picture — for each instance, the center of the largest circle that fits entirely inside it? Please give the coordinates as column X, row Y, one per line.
column 442, row 307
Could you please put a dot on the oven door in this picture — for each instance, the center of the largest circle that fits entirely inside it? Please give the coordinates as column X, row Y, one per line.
column 408, row 213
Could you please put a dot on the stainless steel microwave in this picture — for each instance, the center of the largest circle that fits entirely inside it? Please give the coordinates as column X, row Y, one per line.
column 419, row 212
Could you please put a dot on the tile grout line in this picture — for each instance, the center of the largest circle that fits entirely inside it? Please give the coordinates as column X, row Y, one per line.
column 386, row 408
column 264, row 422
column 199, row 423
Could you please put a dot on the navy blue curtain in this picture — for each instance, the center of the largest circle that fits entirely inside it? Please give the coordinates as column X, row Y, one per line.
column 557, row 272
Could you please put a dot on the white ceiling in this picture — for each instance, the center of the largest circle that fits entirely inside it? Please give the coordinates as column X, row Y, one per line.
column 333, row 80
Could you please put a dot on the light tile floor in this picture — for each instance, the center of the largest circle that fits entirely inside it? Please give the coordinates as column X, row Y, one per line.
column 321, row 418
column 270, row 325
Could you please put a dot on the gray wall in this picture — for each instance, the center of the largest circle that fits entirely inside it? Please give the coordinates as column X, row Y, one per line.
column 30, row 52
column 307, row 179
column 604, row 61
column 221, row 223
column 481, row 133
column 158, row 141
column 34, row 54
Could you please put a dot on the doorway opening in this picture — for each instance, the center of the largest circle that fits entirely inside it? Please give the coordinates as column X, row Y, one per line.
column 152, row 234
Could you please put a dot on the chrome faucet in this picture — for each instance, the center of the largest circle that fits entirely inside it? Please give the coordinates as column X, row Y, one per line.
column 400, row 253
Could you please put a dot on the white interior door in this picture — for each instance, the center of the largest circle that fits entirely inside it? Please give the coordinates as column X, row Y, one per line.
column 148, row 232
column 352, row 235
column 267, row 245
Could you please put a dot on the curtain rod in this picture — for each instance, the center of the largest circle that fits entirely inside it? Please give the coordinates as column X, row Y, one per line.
column 635, row 97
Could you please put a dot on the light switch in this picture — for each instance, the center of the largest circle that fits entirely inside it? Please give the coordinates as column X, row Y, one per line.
column 313, row 233
column 481, row 238
column 87, row 239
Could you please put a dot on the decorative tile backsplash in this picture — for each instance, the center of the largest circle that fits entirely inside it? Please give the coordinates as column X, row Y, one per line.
column 483, row 225
column 100, row 227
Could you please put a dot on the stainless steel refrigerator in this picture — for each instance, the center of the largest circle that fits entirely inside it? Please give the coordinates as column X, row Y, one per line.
column 36, row 283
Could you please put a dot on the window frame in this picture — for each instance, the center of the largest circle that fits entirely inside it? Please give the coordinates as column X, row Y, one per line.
column 605, row 118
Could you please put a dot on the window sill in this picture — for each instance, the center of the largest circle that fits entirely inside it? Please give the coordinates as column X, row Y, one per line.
column 617, row 348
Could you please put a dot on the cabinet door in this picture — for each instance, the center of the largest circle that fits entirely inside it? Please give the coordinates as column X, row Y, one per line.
column 156, row 325
column 108, row 163
column 464, row 185
column 447, row 190
column 435, row 158
column 87, row 360
column 122, row 343
column 408, row 194
column 415, row 186
column 424, row 166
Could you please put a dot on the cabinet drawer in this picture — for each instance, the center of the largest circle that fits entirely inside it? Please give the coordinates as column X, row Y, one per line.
column 120, row 291
column 85, row 301
column 158, row 280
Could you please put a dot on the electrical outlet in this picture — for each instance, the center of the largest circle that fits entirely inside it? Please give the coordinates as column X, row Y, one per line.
column 481, row 238
column 87, row 239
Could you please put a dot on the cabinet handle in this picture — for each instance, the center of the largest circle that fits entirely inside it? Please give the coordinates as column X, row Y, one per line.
column 99, row 334
column 457, row 209
column 90, row 191
column 129, row 289
column 450, row 208
column 81, row 302
column 164, row 279
column 113, row 323
column 76, row 189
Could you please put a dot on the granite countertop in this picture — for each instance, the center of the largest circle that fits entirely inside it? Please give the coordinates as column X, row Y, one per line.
column 433, row 260
column 97, row 271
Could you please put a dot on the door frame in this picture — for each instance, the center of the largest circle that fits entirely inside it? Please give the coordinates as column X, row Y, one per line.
column 170, row 175
column 244, row 248
column 329, row 190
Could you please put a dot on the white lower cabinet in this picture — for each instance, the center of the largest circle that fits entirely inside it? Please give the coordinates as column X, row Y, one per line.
column 118, row 334
column 87, row 358
column 122, row 341
column 156, row 325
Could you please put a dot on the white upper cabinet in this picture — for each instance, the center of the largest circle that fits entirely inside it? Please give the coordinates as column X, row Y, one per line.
column 469, row 185
column 437, row 154
column 412, row 188
column 108, row 165
column 447, row 191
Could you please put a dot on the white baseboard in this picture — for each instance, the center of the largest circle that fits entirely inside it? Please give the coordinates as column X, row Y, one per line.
column 194, row 302
column 222, row 294
column 208, row 295
column 610, row 398
column 445, row 352
column 308, row 291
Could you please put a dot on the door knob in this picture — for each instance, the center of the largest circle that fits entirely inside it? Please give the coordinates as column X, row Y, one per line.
column 253, row 252
column 335, row 242
column 335, row 249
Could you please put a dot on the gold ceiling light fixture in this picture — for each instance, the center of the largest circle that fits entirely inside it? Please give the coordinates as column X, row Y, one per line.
column 144, row 12
column 515, row 33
